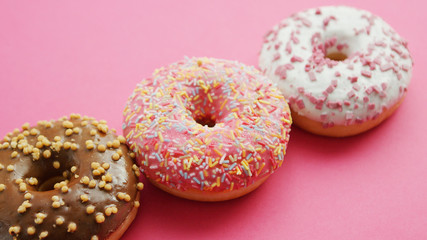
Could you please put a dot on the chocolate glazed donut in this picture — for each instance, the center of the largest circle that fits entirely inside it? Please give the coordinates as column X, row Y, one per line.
column 66, row 179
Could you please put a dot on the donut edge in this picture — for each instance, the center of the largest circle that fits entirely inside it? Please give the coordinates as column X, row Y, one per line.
column 204, row 196
column 118, row 233
column 316, row 127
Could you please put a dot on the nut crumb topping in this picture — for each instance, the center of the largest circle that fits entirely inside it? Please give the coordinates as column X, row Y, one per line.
column 54, row 151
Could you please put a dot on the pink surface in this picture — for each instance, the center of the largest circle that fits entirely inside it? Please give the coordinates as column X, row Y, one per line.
column 59, row 57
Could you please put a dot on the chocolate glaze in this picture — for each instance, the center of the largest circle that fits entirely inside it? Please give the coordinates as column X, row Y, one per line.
column 123, row 172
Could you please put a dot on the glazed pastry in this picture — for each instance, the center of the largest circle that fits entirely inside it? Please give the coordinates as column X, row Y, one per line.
column 343, row 70
column 207, row 129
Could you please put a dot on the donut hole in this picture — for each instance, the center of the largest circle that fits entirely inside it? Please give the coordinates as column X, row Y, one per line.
column 204, row 111
column 49, row 184
column 206, row 121
column 48, row 172
column 336, row 56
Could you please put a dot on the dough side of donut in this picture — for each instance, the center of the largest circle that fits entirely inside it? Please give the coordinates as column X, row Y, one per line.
column 205, row 196
column 340, row 130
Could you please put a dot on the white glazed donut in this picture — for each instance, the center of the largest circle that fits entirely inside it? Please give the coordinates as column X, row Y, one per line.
column 342, row 70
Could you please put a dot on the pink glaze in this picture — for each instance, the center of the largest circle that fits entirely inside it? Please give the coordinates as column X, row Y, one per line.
column 249, row 125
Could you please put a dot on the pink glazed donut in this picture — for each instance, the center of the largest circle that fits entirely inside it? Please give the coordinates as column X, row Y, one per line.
column 207, row 129
column 342, row 70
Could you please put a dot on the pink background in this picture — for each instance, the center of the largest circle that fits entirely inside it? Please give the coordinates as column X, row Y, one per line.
column 59, row 57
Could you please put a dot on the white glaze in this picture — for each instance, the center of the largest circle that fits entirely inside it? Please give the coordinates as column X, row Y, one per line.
column 289, row 50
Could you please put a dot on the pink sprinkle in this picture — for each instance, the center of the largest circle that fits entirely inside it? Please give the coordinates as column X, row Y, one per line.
column 341, row 46
column 268, row 33
column 377, row 61
column 323, row 116
column 312, row 99
column 376, row 89
column 395, row 48
column 371, row 19
column 380, row 44
column 405, row 67
column 356, row 106
column 325, row 93
column 367, row 62
column 296, row 59
column 288, row 48
column 359, row 120
column 276, row 57
column 318, row 12
column 330, row 89
column 376, row 115
column 337, row 74
column 365, row 99
column 349, row 115
column 404, row 42
column 294, row 39
column 352, row 79
column 328, row 125
column 320, row 101
column 351, row 94
column 326, row 21
column 282, row 25
column 366, row 73
column 368, row 30
column 384, row 86
column 312, row 76
column 306, row 22
column 347, row 103
column 289, row 66
column 369, row 90
column 281, row 71
column 300, row 103
column 315, row 38
column 301, row 90
column 330, row 42
column 387, row 31
column 331, row 63
column 371, row 106
column 357, row 32
column 277, row 46
column 334, row 104
column 356, row 87
column 334, row 83
column 318, row 59
column 386, row 67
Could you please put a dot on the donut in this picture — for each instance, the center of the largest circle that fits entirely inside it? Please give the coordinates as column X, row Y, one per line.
column 342, row 70
column 207, row 129
column 73, row 178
